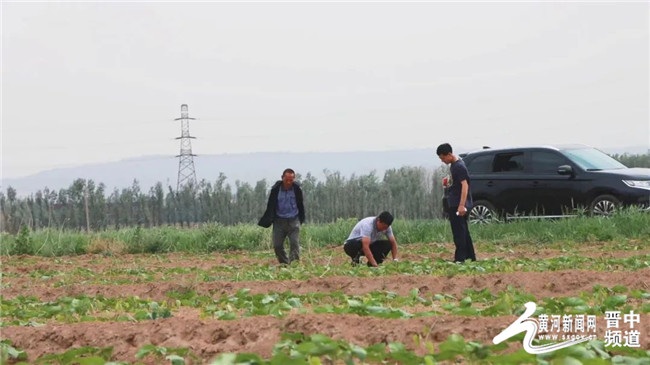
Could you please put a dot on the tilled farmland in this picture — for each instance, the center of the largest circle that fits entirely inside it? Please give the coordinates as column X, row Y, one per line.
column 195, row 308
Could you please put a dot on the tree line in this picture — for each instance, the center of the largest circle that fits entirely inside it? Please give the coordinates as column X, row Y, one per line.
column 633, row 160
column 408, row 192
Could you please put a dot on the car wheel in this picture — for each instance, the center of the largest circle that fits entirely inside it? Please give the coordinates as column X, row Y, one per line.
column 483, row 212
column 604, row 205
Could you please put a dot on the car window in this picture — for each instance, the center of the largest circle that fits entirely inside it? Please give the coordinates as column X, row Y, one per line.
column 509, row 162
column 481, row 164
column 547, row 162
column 592, row 159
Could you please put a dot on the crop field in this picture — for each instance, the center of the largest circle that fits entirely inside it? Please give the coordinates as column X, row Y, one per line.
column 230, row 307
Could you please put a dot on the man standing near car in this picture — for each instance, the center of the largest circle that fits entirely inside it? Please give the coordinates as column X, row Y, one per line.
column 285, row 210
column 459, row 202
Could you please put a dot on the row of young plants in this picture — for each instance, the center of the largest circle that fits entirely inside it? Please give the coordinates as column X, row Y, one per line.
column 315, row 254
column 26, row 311
column 149, row 266
column 29, row 311
column 623, row 225
column 304, row 271
column 390, row 305
column 301, row 349
column 310, row 254
column 88, row 355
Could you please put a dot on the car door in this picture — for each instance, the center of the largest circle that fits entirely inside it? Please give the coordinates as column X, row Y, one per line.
column 553, row 193
column 480, row 170
column 510, row 182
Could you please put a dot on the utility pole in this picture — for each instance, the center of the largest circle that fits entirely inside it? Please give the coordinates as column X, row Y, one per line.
column 186, row 173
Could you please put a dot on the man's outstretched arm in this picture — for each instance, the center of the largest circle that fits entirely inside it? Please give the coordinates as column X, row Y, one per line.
column 365, row 246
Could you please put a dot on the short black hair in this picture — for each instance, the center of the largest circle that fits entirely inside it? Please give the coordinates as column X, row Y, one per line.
column 385, row 217
column 288, row 171
column 444, row 149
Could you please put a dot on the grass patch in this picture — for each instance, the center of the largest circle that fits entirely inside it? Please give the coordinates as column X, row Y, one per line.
column 620, row 227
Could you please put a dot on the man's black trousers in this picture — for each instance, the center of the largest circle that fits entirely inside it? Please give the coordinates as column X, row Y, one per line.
column 462, row 238
column 379, row 250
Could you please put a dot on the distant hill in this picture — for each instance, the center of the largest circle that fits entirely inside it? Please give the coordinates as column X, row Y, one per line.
column 250, row 167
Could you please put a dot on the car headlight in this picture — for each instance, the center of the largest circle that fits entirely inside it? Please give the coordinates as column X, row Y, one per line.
column 641, row 184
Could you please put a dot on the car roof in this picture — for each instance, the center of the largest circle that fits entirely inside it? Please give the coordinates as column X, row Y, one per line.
column 487, row 149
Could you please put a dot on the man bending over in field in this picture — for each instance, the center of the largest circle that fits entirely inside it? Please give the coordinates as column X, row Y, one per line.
column 363, row 240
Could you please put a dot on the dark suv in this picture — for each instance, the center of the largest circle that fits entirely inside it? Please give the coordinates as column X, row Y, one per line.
column 551, row 181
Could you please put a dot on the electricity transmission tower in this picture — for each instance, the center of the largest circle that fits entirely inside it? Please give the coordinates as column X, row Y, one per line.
column 186, row 173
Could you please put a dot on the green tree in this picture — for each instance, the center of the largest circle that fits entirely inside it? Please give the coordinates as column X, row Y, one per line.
column 634, row 160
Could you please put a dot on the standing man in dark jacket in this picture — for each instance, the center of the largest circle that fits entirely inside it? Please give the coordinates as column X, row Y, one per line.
column 459, row 203
column 285, row 210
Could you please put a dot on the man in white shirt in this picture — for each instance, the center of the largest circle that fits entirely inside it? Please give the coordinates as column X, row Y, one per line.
column 364, row 240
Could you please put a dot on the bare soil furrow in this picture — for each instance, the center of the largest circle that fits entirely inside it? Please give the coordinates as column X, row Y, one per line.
column 541, row 284
column 207, row 338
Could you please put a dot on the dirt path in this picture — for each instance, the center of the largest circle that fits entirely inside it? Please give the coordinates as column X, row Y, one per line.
column 542, row 284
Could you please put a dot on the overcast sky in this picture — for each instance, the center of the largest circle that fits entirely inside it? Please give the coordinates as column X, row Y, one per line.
column 96, row 82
